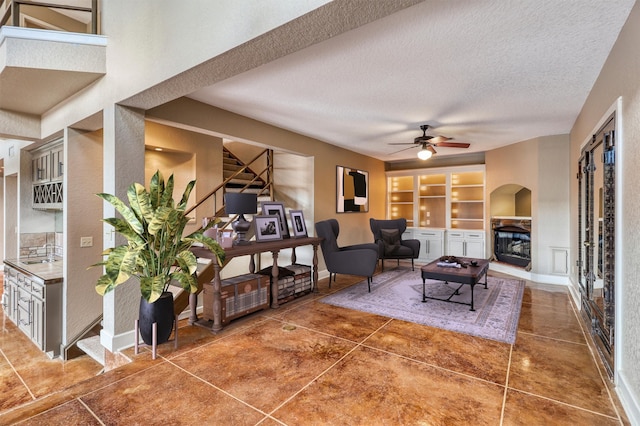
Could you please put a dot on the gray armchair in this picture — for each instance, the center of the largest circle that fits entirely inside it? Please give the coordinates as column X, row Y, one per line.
column 387, row 235
column 357, row 259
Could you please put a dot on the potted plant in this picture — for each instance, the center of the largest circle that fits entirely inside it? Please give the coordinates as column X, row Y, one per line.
column 156, row 252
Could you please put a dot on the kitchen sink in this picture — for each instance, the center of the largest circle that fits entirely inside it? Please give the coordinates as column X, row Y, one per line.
column 34, row 262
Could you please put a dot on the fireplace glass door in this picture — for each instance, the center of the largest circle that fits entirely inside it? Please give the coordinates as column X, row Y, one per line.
column 596, row 249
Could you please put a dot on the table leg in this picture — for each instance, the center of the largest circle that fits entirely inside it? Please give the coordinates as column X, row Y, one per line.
column 217, row 303
column 193, row 306
column 424, row 292
column 472, row 308
column 274, row 280
column 314, row 283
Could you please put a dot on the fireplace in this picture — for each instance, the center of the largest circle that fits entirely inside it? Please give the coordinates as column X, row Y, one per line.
column 512, row 240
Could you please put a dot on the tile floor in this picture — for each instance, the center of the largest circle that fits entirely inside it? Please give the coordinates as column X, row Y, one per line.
column 308, row 363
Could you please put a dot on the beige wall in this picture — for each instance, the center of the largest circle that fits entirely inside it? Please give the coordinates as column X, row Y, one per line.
column 188, row 155
column 539, row 164
column 619, row 78
column 82, row 218
column 354, row 227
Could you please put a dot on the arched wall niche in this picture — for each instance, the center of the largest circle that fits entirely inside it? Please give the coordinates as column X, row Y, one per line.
column 510, row 200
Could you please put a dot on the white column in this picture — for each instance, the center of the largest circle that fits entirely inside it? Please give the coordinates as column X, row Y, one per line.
column 123, row 165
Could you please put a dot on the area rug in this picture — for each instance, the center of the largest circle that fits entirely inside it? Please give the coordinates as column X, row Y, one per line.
column 398, row 294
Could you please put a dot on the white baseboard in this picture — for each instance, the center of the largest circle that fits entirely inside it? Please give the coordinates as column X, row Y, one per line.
column 528, row 275
column 629, row 400
column 119, row 342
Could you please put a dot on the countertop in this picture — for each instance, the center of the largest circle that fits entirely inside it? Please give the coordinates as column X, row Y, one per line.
column 50, row 273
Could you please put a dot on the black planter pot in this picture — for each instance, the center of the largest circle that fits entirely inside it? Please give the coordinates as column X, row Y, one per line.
column 160, row 312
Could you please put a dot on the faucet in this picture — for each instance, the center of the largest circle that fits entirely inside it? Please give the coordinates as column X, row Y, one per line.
column 50, row 254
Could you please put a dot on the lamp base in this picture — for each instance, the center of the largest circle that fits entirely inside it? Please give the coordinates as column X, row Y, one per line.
column 241, row 226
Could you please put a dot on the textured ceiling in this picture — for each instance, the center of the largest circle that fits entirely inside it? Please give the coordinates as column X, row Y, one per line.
column 486, row 72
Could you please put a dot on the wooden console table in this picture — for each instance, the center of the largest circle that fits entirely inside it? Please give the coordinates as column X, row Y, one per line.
column 252, row 249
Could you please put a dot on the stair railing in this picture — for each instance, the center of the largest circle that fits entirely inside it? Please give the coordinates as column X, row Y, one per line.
column 267, row 171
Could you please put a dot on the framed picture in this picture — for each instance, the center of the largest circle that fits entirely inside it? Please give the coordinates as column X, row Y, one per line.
column 297, row 223
column 352, row 190
column 275, row 208
column 267, row 228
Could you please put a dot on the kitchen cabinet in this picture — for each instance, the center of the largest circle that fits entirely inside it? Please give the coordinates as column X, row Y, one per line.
column 35, row 306
column 466, row 243
column 47, row 173
column 10, row 294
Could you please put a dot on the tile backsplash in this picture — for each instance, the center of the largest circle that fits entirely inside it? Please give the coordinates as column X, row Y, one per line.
column 33, row 244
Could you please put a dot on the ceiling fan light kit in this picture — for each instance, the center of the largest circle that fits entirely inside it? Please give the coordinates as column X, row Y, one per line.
column 426, row 143
column 424, row 154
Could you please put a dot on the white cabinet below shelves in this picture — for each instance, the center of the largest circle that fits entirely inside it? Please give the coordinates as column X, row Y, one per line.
column 431, row 243
column 466, row 244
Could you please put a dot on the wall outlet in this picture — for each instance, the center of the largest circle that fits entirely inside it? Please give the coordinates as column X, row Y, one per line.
column 86, row 241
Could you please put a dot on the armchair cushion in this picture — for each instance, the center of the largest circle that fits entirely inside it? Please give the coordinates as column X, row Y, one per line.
column 391, row 240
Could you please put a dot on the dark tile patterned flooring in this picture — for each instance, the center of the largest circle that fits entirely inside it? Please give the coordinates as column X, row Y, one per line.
column 308, row 363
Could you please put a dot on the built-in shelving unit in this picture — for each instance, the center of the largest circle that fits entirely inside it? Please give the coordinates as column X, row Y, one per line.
column 448, row 201
column 467, row 200
column 401, row 198
column 432, row 200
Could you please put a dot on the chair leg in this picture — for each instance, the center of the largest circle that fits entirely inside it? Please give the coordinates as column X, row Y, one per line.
column 381, row 265
column 369, row 279
column 412, row 265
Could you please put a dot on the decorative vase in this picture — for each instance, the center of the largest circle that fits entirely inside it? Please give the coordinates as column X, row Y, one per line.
column 160, row 312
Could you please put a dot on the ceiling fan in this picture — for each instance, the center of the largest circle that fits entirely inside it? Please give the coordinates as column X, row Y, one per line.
column 428, row 142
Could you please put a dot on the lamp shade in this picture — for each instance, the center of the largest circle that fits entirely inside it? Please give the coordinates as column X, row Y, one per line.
column 240, row 203
column 424, row 154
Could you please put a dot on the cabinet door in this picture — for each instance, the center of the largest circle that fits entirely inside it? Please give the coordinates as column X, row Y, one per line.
column 475, row 248
column 57, row 158
column 13, row 297
column 455, row 247
column 37, row 331
column 40, row 167
column 434, row 249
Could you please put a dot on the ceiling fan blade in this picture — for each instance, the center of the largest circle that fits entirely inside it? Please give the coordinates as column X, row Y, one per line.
column 403, row 149
column 401, row 143
column 453, row 144
column 439, row 139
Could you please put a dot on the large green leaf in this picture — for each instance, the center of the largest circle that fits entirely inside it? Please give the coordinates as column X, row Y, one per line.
column 156, row 251
column 166, row 198
column 104, row 285
column 121, row 264
column 187, row 281
column 122, row 227
column 209, row 243
column 152, row 287
column 125, row 211
column 140, row 202
column 156, row 189
column 186, row 194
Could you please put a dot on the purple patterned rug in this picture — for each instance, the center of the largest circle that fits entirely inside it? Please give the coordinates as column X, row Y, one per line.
column 398, row 294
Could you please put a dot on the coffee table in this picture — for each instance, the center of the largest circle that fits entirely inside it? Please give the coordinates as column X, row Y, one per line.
column 470, row 275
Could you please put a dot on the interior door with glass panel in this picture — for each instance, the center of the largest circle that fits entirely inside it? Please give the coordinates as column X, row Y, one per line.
column 596, row 254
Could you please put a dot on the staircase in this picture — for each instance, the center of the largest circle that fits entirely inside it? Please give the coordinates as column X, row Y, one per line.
column 239, row 177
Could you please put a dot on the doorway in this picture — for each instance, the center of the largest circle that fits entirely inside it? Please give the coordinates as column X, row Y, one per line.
column 596, row 234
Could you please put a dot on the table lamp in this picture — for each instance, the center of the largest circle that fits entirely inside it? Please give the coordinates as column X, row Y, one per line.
column 240, row 203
